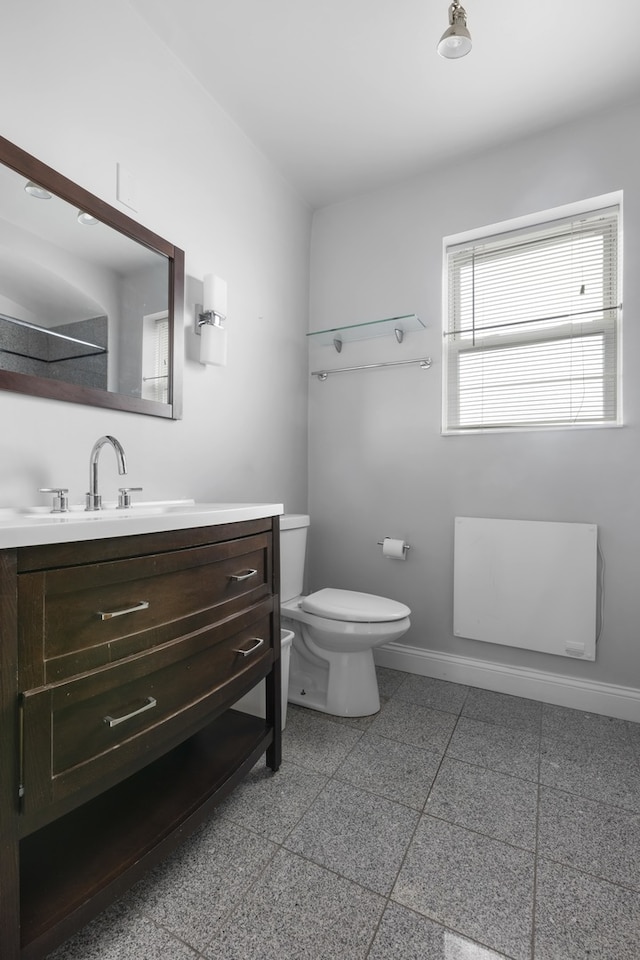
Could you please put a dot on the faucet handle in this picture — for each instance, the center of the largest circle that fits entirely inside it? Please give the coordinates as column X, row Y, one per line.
column 60, row 501
column 124, row 497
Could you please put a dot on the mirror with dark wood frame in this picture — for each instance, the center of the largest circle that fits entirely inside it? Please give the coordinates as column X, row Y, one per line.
column 91, row 302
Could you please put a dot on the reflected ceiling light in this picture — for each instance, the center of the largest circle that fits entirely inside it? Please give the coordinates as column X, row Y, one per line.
column 34, row 190
column 86, row 218
column 456, row 40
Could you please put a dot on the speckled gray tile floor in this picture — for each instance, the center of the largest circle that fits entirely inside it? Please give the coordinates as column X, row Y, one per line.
column 356, row 834
column 470, row 883
column 457, row 824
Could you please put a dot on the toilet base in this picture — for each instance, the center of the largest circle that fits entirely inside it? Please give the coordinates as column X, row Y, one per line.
column 340, row 684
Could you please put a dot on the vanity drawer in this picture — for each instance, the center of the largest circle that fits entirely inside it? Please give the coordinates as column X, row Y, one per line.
column 107, row 723
column 79, row 618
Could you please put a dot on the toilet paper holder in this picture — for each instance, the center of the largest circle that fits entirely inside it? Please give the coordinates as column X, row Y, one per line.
column 405, row 546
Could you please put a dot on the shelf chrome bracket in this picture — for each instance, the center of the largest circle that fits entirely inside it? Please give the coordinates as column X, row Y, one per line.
column 352, row 332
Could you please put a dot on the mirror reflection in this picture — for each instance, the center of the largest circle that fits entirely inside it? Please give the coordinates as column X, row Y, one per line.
column 91, row 302
column 79, row 302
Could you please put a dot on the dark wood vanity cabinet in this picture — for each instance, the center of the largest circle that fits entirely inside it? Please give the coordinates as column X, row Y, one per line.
column 121, row 660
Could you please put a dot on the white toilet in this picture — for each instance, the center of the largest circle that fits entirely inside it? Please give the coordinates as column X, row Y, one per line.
column 334, row 633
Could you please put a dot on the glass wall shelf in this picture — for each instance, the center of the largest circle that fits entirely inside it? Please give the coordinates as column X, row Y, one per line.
column 397, row 326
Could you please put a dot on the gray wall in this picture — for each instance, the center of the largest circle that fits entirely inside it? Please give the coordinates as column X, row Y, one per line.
column 378, row 465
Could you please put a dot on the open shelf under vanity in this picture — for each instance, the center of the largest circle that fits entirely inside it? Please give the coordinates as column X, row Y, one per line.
column 94, row 853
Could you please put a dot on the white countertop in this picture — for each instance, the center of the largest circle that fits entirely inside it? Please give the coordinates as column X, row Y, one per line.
column 32, row 528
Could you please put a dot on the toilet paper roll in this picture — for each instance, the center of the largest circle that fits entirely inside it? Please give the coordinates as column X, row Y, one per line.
column 394, row 549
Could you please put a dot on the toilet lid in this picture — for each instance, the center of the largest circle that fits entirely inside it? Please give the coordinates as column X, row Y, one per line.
column 354, row 607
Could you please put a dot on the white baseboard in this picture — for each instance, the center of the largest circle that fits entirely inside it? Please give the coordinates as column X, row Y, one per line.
column 605, row 698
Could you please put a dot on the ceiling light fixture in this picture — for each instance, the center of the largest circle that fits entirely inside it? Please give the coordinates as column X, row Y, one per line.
column 456, row 40
column 35, row 190
column 86, row 218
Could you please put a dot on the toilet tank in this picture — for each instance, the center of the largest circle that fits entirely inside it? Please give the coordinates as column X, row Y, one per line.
column 293, row 547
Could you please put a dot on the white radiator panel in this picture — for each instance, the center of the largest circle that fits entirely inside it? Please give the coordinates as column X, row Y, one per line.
column 526, row 583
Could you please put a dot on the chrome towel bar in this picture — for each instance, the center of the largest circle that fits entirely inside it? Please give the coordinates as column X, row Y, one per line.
column 425, row 363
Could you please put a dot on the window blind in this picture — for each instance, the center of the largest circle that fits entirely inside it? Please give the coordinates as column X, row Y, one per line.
column 160, row 378
column 531, row 327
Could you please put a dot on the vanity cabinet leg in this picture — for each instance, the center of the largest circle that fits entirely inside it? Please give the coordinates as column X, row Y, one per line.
column 274, row 704
column 274, row 752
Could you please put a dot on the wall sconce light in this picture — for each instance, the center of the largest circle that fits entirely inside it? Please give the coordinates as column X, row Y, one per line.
column 210, row 322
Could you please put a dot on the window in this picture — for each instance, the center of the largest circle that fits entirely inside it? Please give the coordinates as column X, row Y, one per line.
column 531, row 326
column 155, row 357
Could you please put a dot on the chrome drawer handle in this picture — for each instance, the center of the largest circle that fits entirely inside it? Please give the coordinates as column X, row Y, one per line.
column 148, row 705
column 239, row 577
column 143, row 605
column 258, row 643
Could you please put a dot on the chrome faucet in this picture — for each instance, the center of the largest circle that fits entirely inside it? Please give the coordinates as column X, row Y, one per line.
column 94, row 500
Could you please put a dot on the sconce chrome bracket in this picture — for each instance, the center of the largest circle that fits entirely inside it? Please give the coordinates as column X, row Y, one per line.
column 207, row 316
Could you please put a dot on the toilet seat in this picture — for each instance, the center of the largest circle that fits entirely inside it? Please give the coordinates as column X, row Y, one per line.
column 353, row 607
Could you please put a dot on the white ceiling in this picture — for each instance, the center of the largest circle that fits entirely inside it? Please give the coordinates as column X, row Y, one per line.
column 345, row 95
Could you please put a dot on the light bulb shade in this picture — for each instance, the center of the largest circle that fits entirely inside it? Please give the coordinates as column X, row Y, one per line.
column 456, row 40
column 215, row 295
column 213, row 345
